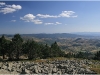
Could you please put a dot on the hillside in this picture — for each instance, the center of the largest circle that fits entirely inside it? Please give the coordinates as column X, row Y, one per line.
column 67, row 42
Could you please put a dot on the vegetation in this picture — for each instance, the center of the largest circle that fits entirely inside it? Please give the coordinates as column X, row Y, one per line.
column 97, row 56
column 95, row 68
column 17, row 47
column 3, row 46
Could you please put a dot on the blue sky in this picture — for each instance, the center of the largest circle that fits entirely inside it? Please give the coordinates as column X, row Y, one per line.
column 49, row 16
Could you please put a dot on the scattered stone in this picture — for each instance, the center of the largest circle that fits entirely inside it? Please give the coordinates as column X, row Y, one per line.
column 54, row 67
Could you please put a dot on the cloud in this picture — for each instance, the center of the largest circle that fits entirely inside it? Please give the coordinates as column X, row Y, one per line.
column 53, row 23
column 66, row 13
column 63, row 14
column 2, row 3
column 49, row 23
column 17, row 7
column 13, row 20
column 9, row 8
column 58, row 23
column 28, row 18
column 37, row 21
column 31, row 18
column 46, row 16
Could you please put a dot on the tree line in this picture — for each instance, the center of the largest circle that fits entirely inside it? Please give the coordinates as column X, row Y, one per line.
column 17, row 47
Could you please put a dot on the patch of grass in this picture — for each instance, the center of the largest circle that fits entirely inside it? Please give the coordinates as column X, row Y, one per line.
column 95, row 68
column 54, row 59
column 49, row 59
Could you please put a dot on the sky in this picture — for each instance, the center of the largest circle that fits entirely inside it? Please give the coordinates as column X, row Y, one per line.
column 28, row 17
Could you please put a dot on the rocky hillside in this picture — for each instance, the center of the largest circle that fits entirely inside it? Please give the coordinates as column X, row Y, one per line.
column 66, row 66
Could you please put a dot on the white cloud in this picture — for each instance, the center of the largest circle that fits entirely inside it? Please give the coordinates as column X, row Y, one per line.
column 58, row 23
column 63, row 14
column 16, row 6
column 53, row 23
column 28, row 18
column 9, row 8
column 66, row 13
column 49, row 23
column 2, row 3
column 46, row 16
column 31, row 18
column 13, row 20
column 37, row 21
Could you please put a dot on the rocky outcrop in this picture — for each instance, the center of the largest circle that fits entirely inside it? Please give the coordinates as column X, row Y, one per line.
column 53, row 67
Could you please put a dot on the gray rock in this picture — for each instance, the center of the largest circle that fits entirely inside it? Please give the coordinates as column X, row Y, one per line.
column 62, row 71
column 36, row 69
column 54, row 70
column 27, row 71
column 59, row 72
column 9, row 69
column 4, row 67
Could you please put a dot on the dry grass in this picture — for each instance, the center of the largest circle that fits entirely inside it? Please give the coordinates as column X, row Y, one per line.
column 49, row 59
column 95, row 68
column 54, row 59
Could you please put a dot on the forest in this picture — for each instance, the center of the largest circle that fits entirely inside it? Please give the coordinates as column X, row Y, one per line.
column 16, row 47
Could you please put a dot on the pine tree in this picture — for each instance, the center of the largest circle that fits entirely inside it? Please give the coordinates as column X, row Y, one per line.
column 55, row 50
column 3, row 46
column 97, row 56
column 17, row 45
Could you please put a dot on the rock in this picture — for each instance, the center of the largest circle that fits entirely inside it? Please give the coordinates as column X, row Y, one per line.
column 42, row 71
column 39, row 70
column 88, row 71
column 27, row 71
column 59, row 72
column 2, row 71
column 18, row 66
column 9, row 69
column 62, row 71
column 36, row 69
column 82, row 70
column 30, row 67
column 4, row 67
column 54, row 67
column 50, row 69
column 54, row 70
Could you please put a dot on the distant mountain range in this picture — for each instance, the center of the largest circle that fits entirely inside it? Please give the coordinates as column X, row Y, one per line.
column 62, row 35
column 56, row 35
column 88, row 33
